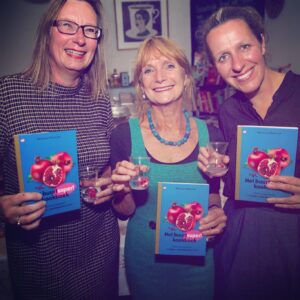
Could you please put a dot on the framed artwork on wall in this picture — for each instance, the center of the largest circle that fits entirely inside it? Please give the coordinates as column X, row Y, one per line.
column 138, row 20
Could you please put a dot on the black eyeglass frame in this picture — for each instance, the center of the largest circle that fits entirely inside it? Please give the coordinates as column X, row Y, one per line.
column 55, row 23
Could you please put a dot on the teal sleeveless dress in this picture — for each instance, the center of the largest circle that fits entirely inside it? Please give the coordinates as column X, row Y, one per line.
column 147, row 277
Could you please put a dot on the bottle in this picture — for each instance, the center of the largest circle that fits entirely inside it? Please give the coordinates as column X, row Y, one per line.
column 115, row 79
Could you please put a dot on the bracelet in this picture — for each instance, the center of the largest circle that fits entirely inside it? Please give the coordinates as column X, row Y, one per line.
column 213, row 205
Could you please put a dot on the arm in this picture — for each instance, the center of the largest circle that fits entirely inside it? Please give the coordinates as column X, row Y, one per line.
column 123, row 203
column 120, row 143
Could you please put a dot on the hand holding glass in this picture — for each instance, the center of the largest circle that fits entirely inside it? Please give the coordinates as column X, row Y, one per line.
column 216, row 152
column 142, row 167
column 88, row 179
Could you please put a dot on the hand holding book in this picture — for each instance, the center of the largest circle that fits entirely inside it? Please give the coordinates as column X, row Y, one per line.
column 288, row 184
column 15, row 209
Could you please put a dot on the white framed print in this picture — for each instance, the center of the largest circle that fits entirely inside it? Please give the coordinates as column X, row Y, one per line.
column 138, row 20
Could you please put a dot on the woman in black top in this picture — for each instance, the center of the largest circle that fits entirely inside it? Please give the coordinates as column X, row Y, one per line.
column 259, row 254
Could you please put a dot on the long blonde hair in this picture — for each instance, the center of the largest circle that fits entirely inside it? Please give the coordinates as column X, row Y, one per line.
column 169, row 49
column 39, row 71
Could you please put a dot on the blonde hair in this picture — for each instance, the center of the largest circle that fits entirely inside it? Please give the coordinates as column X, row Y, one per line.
column 164, row 47
column 39, row 71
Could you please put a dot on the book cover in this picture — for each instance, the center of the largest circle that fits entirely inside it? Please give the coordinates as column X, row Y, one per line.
column 263, row 151
column 47, row 163
column 180, row 207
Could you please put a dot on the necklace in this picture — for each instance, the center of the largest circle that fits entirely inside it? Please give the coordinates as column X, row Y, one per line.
column 164, row 141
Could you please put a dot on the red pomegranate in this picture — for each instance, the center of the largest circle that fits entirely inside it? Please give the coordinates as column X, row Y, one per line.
column 255, row 158
column 185, row 221
column 38, row 168
column 281, row 156
column 173, row 213
column 195, row 209
column 268, row 167
column 64, row 160
column 54, row 176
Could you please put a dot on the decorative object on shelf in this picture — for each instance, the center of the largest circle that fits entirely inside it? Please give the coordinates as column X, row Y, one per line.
column 120, row 112
column 138, row 20
column 115, row 79
column 124, row 79
column 274, row 8
column 164, row 141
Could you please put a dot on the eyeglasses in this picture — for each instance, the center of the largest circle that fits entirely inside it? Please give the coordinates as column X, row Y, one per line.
column 71, row 28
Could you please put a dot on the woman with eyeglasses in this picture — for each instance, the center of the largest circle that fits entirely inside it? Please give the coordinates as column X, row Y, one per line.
column 72, row 255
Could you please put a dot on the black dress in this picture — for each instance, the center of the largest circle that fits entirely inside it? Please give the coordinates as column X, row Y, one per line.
column 72, row 255
column 258, row 256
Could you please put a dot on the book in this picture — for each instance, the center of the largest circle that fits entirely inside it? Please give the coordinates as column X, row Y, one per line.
column 263, row 151
column 180, row 207
column 47, row 163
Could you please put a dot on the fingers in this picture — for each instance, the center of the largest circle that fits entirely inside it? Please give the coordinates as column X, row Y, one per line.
column 105, row 195
column 121, row 176
column 203, row 159
column 12, row 207
column 214, row 223
column 31, row 220
column 284, row 183
column 288, row 184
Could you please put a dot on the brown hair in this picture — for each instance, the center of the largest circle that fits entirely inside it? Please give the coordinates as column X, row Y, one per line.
column 246, row 13
column 40, row 71
column 165, row 47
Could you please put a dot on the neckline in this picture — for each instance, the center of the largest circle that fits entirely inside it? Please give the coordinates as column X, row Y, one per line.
column 164, row 141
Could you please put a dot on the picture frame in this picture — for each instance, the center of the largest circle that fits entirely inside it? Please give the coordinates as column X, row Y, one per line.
column 138, row 20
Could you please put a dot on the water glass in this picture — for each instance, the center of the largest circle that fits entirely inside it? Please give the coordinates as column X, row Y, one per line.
column 88, row 180
column 142, row 167
column 216, row 151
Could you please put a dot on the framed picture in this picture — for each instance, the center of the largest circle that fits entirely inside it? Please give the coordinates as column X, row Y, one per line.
column 138, row 20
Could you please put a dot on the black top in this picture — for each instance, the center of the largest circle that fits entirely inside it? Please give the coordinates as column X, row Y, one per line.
column 238, row 110
column 123, row 150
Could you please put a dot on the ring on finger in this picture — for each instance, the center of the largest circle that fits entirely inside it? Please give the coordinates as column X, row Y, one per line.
column 19, row 221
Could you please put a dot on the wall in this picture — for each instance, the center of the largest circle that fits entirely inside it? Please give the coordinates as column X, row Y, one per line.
column 19, row 20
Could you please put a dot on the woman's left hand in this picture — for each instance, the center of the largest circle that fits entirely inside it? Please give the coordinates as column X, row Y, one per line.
column 288, row 184
column 214, row 223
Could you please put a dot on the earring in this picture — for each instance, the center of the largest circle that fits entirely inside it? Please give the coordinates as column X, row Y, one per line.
column 144, row 96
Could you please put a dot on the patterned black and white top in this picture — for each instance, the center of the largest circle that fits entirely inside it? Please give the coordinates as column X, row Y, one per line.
column 72, row 255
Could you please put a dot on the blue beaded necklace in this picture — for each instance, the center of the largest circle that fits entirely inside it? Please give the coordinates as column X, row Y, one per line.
column 171, row 143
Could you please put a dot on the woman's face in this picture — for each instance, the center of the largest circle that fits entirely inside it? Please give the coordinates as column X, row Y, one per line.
column 238, row 55
column 140, row 22
column 71, row 54
column 163, row 80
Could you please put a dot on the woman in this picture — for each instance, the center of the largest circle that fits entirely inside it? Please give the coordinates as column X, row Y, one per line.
column 72, row 255
column 259, row 254
column 142, row 18
column 163, row 83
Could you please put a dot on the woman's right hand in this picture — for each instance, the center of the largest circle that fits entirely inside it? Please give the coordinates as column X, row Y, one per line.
column 203, row 162
column 121, row 176
column 15, row 209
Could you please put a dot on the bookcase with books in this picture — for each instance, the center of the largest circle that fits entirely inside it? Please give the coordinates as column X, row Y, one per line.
column 211, row 89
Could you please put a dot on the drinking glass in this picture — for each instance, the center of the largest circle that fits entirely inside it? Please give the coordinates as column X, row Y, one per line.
column 216, row 152
column 142, row 167
column 88, row 179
